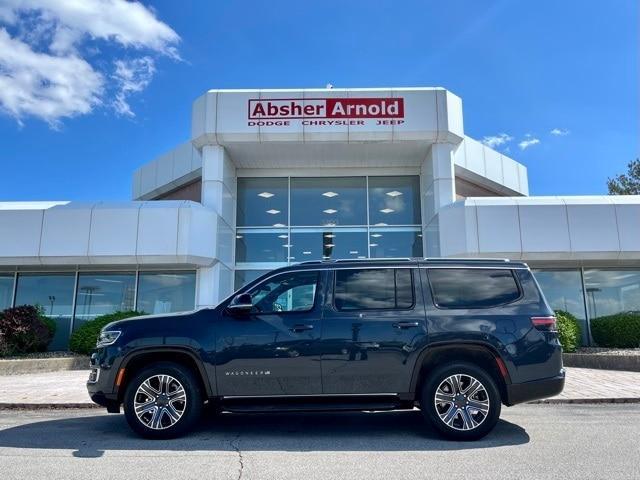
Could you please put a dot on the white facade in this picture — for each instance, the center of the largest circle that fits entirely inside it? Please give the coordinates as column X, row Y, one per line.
column 473, row 200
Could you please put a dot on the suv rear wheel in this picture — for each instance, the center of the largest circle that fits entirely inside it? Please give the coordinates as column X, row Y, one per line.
column 461, row 401
column 163, row 401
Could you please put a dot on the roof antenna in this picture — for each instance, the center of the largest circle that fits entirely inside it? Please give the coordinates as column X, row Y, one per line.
column 329, row 86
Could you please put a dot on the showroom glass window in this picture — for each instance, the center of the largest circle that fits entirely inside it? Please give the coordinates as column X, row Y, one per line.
column 563, row 291
column 610, row 292
column 326, row 218
column 164, row 292
column 54, row 294
column 6, row 290
column 103, row 293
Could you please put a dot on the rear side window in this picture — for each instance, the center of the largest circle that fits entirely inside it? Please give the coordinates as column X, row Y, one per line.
column 472, row 288
column 374, row 289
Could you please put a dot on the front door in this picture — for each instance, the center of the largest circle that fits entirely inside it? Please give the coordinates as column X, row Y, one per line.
column 273, row 350
column 373, row 328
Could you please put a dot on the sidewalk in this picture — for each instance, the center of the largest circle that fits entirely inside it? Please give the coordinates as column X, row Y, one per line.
column 67, row 389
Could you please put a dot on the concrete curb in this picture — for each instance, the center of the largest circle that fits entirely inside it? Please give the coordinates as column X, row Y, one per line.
column 18, row 366
column 48, row 406
column 585, row 401
column 629, row 363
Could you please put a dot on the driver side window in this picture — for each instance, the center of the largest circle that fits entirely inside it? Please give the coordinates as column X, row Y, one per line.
column 287, row 292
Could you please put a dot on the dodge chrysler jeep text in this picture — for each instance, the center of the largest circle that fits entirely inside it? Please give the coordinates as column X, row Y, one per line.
column 456, row 338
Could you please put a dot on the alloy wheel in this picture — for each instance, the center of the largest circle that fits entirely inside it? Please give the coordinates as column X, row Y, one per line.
column 462, row 402
column 160, row 402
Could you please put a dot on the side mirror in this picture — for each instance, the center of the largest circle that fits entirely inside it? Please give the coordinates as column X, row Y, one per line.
column 240, row 304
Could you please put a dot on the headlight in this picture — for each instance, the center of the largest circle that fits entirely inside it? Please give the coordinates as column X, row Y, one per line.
column 107, row 337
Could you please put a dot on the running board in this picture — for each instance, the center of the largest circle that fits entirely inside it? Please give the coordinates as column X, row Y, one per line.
column 308, row 404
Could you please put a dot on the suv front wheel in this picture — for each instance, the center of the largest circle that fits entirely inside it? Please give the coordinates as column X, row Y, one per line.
column 163, row 401
column 461, row 401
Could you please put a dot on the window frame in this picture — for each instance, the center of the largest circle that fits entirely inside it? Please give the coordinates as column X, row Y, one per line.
column 286, row 312
column 391, row 309
column 472, row 307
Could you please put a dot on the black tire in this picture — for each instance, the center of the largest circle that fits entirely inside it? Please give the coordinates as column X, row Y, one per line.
column 190, row 410
column 468, row 423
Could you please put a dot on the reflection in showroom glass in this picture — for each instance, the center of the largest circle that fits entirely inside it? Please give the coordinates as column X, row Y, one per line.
column 400, row 242
column 328, row 243
column 328, row 201
column 394, row 200
column 264, row 245
column 262, row 202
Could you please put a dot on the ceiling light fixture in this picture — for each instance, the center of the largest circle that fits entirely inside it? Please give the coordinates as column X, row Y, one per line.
column 330, row 245
column 376, row 235
column 373, row 244
column 330, row 194
column 279, row 225
column 329, row 235
column 353, row 252
column 306, row 252
column 273, row 211
column 395, row 193
column 266, row 194
column 283, row 236
column 387, row 210
column 330, row 211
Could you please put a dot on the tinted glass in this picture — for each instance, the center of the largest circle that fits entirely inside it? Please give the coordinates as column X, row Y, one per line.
column 102, row 293
column 260, row 245
column 612, row 291
column 164, row 292
column 328, row 243
column 563, row 291
column 394, row 200
column 372, row 289
column 6, row 291
column 243, row 277
column 472, row 288
column 54, row 293
column 385, row 243
column 262, row 202
column 288, row 292
column 329, row 201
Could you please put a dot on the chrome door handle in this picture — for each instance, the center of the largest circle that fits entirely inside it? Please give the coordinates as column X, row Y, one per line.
column 406, row 324
column 301, row 328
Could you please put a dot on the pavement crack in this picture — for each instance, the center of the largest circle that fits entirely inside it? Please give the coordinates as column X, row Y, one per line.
column 235, row 444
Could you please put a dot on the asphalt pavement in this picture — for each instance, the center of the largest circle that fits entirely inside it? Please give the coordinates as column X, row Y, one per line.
column 530, row 442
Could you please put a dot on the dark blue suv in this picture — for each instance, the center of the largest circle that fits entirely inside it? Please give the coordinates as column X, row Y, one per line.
column 456, row 338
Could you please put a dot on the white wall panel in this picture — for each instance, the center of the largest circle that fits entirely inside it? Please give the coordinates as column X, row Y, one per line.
column 65, row 233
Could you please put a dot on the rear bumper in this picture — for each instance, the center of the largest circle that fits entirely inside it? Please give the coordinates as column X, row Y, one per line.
column 536, row 390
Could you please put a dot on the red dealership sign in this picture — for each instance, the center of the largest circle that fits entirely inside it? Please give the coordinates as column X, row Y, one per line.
column 326, row 108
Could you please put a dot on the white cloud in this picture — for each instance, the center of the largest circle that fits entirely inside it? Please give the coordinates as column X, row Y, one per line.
column 529, row 141
column 494, row 141
column 131, row 76
column 43, row 71
column 560, row 132
column 43, row 85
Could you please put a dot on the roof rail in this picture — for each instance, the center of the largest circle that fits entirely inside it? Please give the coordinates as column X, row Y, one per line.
column 465, row 259
column 342, row 260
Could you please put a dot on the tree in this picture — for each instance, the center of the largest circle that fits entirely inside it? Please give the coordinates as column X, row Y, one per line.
column 626, row 184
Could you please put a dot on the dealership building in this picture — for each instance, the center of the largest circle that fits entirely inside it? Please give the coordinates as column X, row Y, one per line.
column 276, row 177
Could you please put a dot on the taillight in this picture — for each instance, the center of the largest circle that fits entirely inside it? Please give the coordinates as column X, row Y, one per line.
column 546, row 324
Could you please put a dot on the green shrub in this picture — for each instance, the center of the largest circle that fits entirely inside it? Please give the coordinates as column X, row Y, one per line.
column 569, row 331
column 83, row 340
column 24, row 330
column 621, row 330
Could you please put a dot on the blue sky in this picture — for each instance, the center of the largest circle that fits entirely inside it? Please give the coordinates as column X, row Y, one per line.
column 522, row 69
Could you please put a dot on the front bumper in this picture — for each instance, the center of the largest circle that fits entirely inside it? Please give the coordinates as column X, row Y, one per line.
column 101, row 381
column 536, row 390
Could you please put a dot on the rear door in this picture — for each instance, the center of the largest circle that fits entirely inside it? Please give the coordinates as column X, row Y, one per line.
column 373, row 327
column 274, row 349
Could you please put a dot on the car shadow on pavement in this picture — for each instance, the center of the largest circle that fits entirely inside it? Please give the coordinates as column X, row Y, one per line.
column 90, row 435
